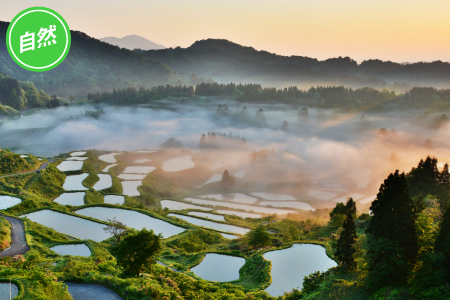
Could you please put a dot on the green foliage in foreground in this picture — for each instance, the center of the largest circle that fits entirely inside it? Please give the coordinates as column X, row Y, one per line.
column 48, row 183
column 259, row 237
column 136, row 252
column 13, row 163
column 5, row 233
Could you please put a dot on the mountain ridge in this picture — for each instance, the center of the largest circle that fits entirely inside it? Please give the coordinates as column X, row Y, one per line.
column 132, row 42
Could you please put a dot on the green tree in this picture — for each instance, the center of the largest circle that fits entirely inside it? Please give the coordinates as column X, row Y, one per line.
column 345, row 249
column 259, row 237
column 227, row 182
column 427, row 180
column 392, row 234
column 136, row 252
column 442, row 244
column 427, row 225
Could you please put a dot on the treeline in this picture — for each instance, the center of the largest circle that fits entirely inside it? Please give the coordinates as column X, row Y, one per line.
column 142, row 95
column 321, row 96
column 17, row 94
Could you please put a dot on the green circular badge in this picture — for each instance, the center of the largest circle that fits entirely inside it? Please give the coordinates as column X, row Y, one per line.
column 38, row 39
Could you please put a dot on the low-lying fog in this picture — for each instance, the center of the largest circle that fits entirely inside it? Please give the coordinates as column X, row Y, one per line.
column 325, row 157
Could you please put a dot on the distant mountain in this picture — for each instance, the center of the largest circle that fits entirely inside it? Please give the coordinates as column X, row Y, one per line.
column 132, row 42
column 226, row 61
column 90, row 66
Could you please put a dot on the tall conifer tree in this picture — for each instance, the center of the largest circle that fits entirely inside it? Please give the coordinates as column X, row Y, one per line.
column 392, row 234
column 345, row 252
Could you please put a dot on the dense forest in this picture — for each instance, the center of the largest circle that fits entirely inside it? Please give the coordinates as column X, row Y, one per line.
column 225, row 61
column 16, row 95
column 346, row 99
column 90, row 66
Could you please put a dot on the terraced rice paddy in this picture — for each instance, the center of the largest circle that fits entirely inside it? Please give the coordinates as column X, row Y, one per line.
column 68, row 224
column 106, row 169
column 132, row 176
column 229, row 267
column 291, row 265
column 207, row 215
column 130, row 187
column 176, row 205
column 212, row 225
column 236, row 197
column 139, row 169
column 274, row 197
column 74, row 182
column 72, row 165
column 290, row 204
column 132, row 219
column 72, row 249
column 78, row 153
column 238, row 213
column 104, row 182
column 8, row 201
column 74, row 199
column 249, row 208
column 114, row 199
column 109, row 158
column 178, row 164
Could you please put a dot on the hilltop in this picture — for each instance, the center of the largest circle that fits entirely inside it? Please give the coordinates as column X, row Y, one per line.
column 226, row 61
column 91, row 65
column 132, row 42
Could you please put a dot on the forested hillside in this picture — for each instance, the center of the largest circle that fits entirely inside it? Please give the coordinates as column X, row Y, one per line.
column 16, row 95
column 226, row 61
column 90, row 66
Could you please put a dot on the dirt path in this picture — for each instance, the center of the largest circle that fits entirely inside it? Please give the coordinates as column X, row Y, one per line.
column 41, row 167
column 19, row 243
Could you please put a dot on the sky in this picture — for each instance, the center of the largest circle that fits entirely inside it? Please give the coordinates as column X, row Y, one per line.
column 396, row 30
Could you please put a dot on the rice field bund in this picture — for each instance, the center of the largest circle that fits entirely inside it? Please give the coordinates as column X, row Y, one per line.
column 206, row 233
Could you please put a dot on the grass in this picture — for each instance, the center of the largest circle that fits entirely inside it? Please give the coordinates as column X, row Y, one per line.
column 182, row 251
column 5, row 233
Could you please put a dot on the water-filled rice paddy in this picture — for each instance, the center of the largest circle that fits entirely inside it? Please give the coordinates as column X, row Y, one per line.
column 8, row 201
column 71, row 225
column 78, row 153
column 74, row 182
column 130, row 187
column 207, row 215
column 109, row 158
column 80, row 158
column 106, row 169
column 72, row 249
column 219, row 267
column 132, row 176
column 140, row 161
column 214, row 178
column 212, row 225
column 322, row 195
column 139, row 169
column 238, row 213
column 176, row 205
column 70, row 165
column 236, row 197
column 114, row 199
column 291, row 265
column 291, row 204
column 104, row 182
column 178, row 164
column 240, row 174
column 258, row 209
column 132, row 219
column 74, row 199
column 273, row 197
